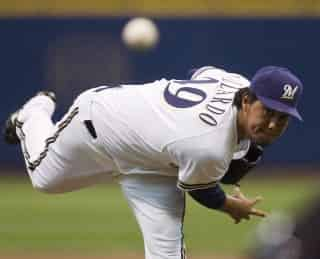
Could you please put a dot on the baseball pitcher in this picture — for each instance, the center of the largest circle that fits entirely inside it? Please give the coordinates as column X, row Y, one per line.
column 160, row 140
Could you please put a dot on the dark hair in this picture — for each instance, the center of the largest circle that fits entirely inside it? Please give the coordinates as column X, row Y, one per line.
column 240, row 94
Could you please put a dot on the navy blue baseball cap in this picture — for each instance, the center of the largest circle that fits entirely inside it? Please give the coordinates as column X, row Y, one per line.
column 278, row 89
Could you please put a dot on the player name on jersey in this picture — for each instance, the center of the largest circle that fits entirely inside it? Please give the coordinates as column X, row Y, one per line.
column 220, row 102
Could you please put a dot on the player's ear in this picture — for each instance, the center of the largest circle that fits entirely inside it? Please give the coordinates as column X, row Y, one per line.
column 245, row 103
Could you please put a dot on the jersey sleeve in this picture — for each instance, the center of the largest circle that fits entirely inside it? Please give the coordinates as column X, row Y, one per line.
column 198, row 164
column 242, row 149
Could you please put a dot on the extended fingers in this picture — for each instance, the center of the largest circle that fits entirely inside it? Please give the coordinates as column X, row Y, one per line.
column 238, row 193
column 238, row 220
column 256, row 200
column 257, row 212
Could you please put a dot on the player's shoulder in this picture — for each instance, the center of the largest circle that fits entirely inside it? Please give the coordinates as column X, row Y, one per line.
column 207, row 72
column 215, row 73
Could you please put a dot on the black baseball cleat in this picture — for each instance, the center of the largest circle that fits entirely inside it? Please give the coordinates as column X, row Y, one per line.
column 9, row 131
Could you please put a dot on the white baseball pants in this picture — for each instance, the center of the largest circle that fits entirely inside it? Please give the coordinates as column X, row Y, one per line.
column 67, row 156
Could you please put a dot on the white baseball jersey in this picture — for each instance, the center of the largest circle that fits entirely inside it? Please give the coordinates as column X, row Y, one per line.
column 173, row 127
column 145, row 133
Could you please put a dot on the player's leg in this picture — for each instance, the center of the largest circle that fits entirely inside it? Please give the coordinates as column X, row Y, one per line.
column 61, row 157
column 159, row 209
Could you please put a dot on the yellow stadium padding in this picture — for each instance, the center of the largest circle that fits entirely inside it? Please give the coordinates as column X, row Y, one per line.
column 159, row 8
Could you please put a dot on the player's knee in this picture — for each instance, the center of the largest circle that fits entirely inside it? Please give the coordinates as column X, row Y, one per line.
column 45, row 181
column 46, row 187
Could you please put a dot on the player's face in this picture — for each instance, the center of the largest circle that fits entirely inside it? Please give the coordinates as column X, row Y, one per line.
column 264, row 125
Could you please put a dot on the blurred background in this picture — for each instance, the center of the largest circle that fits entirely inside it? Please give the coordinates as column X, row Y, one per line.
column 70, row 46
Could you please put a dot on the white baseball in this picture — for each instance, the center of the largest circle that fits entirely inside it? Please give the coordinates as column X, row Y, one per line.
column 140, row 34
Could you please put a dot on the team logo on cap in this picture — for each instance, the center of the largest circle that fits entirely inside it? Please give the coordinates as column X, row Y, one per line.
column 289, row 92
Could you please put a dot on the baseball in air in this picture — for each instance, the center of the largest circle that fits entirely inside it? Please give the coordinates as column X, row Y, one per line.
column 140, row 34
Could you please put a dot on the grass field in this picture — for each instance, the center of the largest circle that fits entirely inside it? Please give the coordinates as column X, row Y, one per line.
column 97, row 220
